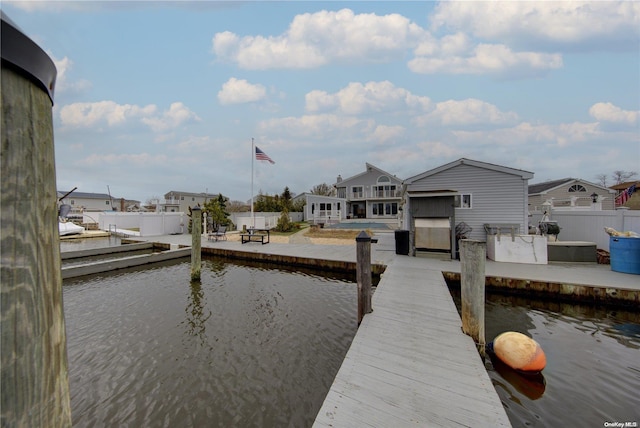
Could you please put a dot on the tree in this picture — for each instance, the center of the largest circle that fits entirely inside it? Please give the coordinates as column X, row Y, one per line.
column 322, row 189
column 286, row 199
column 622, row 176
column 618, row 177
column 216, row 210
column 284, row 222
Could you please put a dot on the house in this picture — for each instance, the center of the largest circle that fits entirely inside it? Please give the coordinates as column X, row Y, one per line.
column 86, row 202
column 324, row 209
column 633, row 202
column 372, row 194
column 176, row 201
column 463, row 193
column 570, row 193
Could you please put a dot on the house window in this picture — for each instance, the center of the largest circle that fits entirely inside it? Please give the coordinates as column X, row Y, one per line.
column 577, row 188
column 73, row 202
column 106, row 202
column 182, row 198
column 462, row 201
column 388, row 208
column 357, row 191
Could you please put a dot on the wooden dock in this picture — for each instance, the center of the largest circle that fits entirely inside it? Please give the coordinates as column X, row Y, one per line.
column 409, row 363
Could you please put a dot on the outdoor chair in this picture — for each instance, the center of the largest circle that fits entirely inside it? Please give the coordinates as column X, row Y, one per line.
column 219, row 234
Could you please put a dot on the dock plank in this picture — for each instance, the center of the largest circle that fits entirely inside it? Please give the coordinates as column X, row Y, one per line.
column 410, row 363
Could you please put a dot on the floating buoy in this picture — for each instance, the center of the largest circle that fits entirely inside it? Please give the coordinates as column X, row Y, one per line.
column 519, row 352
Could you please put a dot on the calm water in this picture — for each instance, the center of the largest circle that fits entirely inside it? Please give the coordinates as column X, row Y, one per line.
column 246, row 346
column 88, row 244
column 593, row 363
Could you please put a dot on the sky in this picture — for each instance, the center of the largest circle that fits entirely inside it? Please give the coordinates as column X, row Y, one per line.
column 155, row 96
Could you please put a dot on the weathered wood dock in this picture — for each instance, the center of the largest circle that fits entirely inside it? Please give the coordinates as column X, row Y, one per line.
column 410, row 363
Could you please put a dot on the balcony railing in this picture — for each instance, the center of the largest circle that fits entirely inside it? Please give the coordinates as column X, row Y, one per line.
column 375, row 194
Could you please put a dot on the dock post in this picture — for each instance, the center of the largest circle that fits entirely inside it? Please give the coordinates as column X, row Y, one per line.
column 33, row 351
column 472, row 281
column 196, row 239
column 363, row 274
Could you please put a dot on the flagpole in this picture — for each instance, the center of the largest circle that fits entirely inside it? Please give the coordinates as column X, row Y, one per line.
column 253, row 150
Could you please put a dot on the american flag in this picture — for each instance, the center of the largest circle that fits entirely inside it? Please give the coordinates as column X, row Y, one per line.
column 623, row 197
column 260, row 155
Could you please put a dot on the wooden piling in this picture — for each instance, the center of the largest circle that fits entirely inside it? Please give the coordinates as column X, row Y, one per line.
column 33, row 352
column 363, row 274
column 472, row 282
column 196, row 243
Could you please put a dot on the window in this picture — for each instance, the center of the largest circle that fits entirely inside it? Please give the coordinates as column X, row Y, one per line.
column 357, row 191
column 577, row 188
column 106, row 202
column 73, row 202
column 462, row 201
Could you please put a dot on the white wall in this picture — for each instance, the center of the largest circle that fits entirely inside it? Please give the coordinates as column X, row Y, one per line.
column 589, row 225
column 149, row 224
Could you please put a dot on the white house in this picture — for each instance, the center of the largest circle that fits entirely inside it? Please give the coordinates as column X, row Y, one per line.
column 372, row 194
column 324, row 209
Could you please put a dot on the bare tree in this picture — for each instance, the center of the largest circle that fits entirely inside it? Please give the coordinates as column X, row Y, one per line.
column 622, row 176
column 322, row 189
column 602, row 179
column 617, row 176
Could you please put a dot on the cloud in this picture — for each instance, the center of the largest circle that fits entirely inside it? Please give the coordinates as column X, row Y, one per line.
column 239, row 91
column 372, row 97
column 607, row 112
column 550, row 23
column 467, row 112
column 527, row 134
column 323, row 127
column 315, row 39
column 112, row 114
column 63, row 66
column 177, row 115
column 483, row 59
column 135, row 159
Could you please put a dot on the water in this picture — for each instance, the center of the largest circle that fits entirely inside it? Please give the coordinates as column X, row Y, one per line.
column 246, row 346
column 89, row 244
column 593, row 363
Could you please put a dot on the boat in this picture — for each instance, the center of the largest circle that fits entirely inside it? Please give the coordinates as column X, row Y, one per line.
column 69, row 228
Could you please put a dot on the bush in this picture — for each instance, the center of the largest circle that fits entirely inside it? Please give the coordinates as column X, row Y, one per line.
column 284, row 222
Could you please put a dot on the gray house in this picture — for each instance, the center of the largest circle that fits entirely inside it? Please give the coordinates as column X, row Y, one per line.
column 373, row 194
column 463, row 192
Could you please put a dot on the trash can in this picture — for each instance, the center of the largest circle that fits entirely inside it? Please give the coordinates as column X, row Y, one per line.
column 402, row 242
column 624, row 254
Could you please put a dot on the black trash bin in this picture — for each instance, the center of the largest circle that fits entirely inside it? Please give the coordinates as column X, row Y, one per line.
column 402, row 242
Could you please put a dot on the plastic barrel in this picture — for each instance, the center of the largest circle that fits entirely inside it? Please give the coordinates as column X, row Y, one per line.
column 625, row 254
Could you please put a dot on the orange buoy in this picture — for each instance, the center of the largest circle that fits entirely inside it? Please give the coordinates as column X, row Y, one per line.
column 519, row 352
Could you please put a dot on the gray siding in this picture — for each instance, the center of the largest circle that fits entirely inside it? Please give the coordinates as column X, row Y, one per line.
column 497, row 197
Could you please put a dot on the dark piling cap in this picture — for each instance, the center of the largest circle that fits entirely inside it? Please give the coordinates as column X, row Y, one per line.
column 22, row 54
column 363, row 237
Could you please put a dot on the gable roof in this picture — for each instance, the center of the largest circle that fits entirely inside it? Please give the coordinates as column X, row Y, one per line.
column 85, row 195
column 538, row 188
column 463, row 161
column 369, row 167
column 547, row 185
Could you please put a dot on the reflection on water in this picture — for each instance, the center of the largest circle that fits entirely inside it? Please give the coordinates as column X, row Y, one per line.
column 245, row 346
column 593, row 362
column 76, row 244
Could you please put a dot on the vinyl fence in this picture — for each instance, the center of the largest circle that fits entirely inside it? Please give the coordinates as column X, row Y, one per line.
column 589, row 225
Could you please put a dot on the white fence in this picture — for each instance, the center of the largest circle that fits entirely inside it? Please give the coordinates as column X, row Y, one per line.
column 589, row 225
column 148, row 224
column 260, row 220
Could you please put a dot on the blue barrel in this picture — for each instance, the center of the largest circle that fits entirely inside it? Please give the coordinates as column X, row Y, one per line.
column 625, row 254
